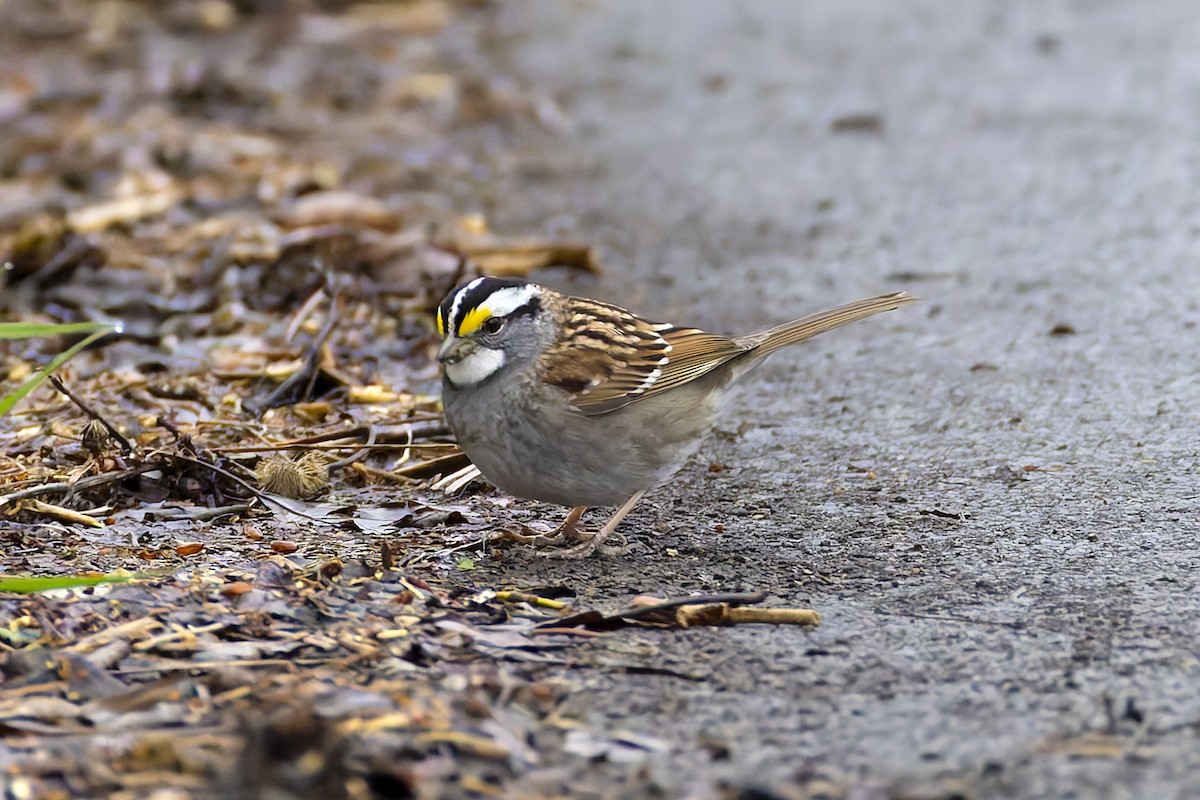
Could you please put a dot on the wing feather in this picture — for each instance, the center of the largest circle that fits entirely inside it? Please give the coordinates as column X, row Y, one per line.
column 608, row 358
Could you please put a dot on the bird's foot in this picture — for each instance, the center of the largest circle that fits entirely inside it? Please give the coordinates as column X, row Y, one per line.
column 566, row 533
column 591, row 543
column 524, row 534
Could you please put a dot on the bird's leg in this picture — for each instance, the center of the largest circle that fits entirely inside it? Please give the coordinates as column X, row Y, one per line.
column 567, row 531
column 587, row 548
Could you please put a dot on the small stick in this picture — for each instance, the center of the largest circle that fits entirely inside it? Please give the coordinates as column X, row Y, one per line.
column 283, row 448
column 126, row 447
column 63, row 514
column 302, row 313
column 137, row 628
column 364, row 450
column 79, row 485
column 531, row 599
column 379, row 474
column 690, row 615
column 582, row 633
column 319, row 343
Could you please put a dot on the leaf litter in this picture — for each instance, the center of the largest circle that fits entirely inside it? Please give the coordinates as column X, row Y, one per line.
column 243, row 574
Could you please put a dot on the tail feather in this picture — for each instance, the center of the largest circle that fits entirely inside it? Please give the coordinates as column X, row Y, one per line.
column 766, row 342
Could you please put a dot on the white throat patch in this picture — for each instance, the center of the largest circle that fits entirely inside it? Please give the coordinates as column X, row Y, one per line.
column 475, row 367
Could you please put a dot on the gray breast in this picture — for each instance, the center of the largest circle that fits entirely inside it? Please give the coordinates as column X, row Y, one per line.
column 529, row 442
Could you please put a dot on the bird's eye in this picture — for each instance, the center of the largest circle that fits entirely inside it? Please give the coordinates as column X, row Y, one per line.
column 493, row 325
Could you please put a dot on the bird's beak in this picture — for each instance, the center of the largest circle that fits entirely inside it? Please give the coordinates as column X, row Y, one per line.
column 454, row 349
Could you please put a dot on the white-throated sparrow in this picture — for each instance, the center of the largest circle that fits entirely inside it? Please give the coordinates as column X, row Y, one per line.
column 581, row 403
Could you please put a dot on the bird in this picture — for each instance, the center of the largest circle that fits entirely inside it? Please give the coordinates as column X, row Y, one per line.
column 582, row 404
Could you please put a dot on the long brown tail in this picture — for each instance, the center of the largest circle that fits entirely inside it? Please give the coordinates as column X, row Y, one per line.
column 768, row 341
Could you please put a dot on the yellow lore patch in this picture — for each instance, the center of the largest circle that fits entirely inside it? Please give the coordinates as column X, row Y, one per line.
column 472, row 320
column 441, row 323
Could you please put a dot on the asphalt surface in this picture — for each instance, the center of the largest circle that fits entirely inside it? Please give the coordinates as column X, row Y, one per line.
column 991, row 496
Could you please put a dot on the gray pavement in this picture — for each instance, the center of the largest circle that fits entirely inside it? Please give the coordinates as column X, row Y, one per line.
column 992, row 496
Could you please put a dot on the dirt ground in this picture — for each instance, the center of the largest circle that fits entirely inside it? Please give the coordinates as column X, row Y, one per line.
column 990, row 497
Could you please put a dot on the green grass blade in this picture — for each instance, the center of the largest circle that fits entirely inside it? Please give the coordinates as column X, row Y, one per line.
column 32, row 330
column 23, row 584
column 15, row 396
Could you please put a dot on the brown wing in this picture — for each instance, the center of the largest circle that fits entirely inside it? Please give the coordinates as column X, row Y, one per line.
column 608, row 358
